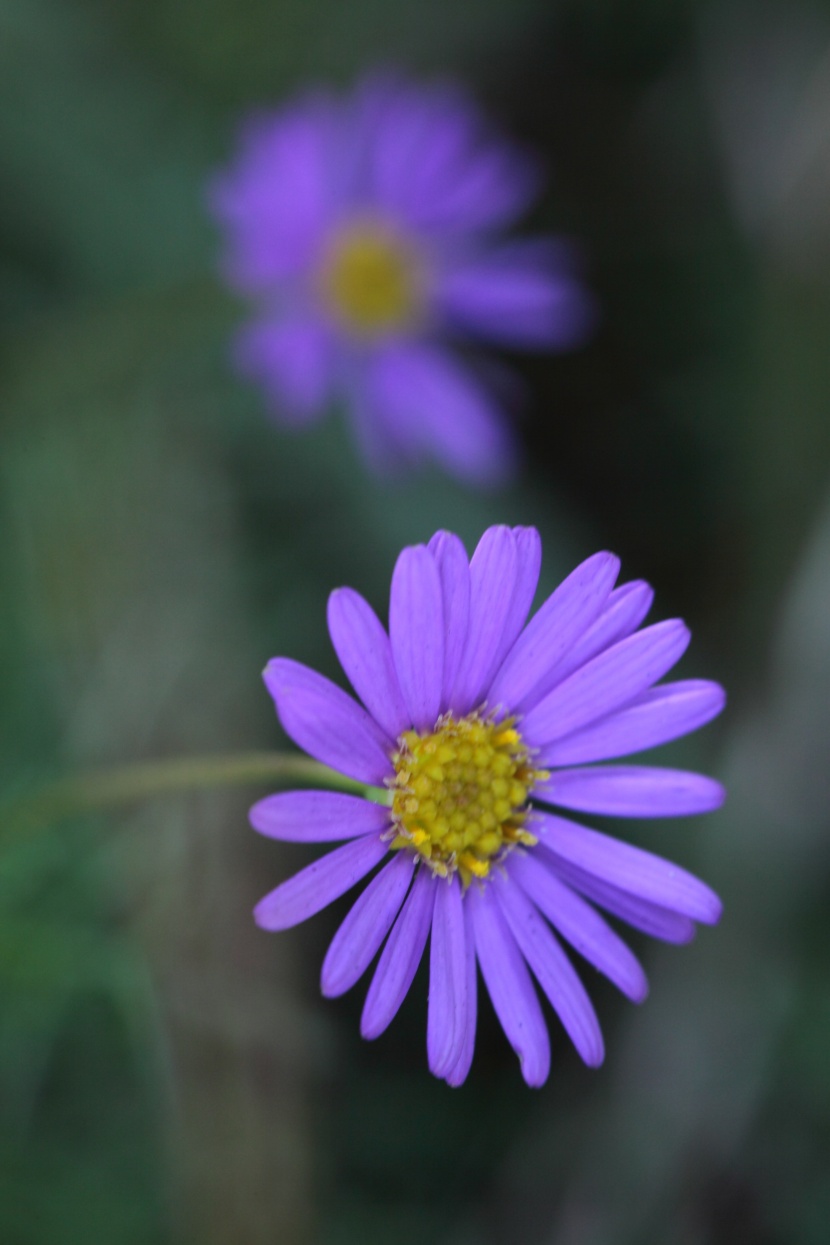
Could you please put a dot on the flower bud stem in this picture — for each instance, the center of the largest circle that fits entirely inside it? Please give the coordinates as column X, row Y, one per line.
column 102, row 789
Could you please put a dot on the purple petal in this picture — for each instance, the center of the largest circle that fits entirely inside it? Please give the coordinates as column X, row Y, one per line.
column 632, row 791
column 434, row 165
column 415, row 139
column 363, row 647
column 552, row 630
column 485, row 189
column 528, row 565
column 385, row 444
column 493, row 581
column 294, row 361
column 320, row 883
column 457, row 1074
column 579, row 923
column 326, row 723
column 652, row 919
column 274, row 201
column 400, row 957
column 515, row 296
column 607, row 682
column 661, row 714
column 317, row 816
column 552, row 969
column 509, row 985
column 447, row 1003
column 621, row 615
column 366, row 925
column 398, row 121
column 416, row 631
column 454, row 571
column 627, row 867
column 435, row 405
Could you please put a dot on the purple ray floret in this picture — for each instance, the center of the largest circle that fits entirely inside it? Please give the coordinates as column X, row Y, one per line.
column 479, row 734
column 366, row 231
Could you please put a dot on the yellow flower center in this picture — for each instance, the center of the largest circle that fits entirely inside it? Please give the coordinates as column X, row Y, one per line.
column 370, row 279
column 459, row 795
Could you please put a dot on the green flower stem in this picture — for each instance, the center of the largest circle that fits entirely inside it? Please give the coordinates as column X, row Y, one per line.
column 130, row 784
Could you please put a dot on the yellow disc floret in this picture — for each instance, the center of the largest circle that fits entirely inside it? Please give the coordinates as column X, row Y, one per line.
column 460, row 793
column 370, row 279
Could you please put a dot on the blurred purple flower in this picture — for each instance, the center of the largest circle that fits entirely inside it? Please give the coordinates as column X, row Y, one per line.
column 366, row 231
column 473, row 722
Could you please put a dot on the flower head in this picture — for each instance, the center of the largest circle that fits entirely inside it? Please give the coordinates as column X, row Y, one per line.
column 366, row 230
column 475, row 726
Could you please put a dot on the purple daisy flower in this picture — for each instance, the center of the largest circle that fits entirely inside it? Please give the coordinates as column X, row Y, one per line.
column 366, row 230
column 474, row 728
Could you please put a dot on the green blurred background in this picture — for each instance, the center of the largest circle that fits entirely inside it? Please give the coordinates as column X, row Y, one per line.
column 168, row 1073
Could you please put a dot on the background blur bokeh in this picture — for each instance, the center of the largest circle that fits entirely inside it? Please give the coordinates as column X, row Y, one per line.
column 168, row 1073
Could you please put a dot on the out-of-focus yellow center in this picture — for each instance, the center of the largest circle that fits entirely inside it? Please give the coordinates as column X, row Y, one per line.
column 369, row 280
column 459, row 795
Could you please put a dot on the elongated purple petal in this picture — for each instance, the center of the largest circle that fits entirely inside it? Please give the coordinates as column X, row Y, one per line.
column 400, row 957
column 632, row 791
column 553, row 629
column 655, row 717
column 366, row 925
column 630, row 868
column 516, row 295
column 509, row 986
column 416, row 631
column 328, row 724
column 457, row 1074
column 456, row 184
column 317, row 816
column 447, row 1004
column 434, row 404
column 414, row 135
column 320, row 883
column 431, row 166
column 624, row 610
column 552, row 969
column 363, row 647
column 385, row 443
column 579, row 923
column 656, row 921
column 607, row 682
column 493, row 574
column 488, row 188
column 528, row 564
column 294, row 361
column 274, row 200
column 454, row 571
